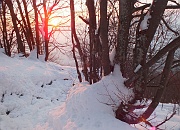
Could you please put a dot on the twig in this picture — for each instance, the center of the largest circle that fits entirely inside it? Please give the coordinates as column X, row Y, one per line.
column 166, row 24
column 166, row 119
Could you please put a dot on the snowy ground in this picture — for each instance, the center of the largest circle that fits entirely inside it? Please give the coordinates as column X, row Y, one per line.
column 162, row 112
column 35, row 95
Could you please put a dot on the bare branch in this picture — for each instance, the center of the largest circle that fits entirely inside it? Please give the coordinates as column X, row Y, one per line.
column 173, row 44
column 166, row 24
column 174, row 2
column 173, row 7
column 84, row 20
column 141, row 7
column 166, row 119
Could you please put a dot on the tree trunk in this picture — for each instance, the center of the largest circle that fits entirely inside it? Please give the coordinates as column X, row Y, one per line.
column 144, row 37
column 125, row 14
column 139, row 80
column 92, row 28
column 173, row 44
column 36, row 28
column 46, row 38
column 104, row 37
column 30, row 33
column 21, row 47
column 73, row 34
column 122, row 115
column 7, row 46
column 143, row 40
column 25, row 27
column 162, row 86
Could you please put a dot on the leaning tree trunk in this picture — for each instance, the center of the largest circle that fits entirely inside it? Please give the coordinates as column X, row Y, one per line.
column 138, row 81
column 145, row 36
column 6, row 43
column 143, row 41
column 29, row 29
column 125, row 116
column 172, row 45
column 25, row 27
column 21, row 47
column 162, row 85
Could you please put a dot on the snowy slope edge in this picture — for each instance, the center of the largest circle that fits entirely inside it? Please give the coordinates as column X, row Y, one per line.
column 85, row 107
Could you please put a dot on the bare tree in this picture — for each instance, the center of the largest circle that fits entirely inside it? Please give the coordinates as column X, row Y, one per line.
column 138, row 81
column 36, row 27
column 21, row 47
column 131, row 19
column 104, row 37
column 6, row 42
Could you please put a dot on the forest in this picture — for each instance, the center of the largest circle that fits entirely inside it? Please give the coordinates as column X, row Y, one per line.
column 140, row 38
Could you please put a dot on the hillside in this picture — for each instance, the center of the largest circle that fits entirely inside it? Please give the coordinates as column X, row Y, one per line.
column 37, row 95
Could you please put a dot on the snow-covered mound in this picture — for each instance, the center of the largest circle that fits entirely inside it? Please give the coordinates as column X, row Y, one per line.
column 36, row 95
column 29, row 89
column 90, row 107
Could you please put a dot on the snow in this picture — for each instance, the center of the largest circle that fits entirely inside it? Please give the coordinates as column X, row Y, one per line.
column 112, row 55
column 137, row 68
column 144, row 23
column 162, row 112
column 40, row 95
column 85, row 107
column 37, row 95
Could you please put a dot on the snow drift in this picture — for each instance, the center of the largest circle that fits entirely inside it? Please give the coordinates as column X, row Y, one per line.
column 36, row 95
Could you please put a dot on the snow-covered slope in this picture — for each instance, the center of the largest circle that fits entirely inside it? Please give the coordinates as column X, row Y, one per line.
column 86, row 107
column 36, row 95
column 29, row 90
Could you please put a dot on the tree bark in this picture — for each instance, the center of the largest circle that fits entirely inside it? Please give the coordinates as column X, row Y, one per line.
column 73, row 35
column 7, row 46
column 144, row 37
column 36, row 28
column 173, row 44
column 104, row 37
column 162, row 86
column 125, row 14
column 143, row 41
column 46, row 38
column 92, row 27
column 30, row 33
column 139, row 87
column 21, row 47
column 25, row 27
column 122, row 115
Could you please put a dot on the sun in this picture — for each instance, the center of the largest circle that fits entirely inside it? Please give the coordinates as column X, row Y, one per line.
column 54, row 22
